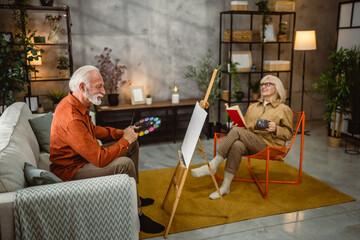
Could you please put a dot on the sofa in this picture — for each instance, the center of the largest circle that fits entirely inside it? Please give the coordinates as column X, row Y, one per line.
column 19, row 145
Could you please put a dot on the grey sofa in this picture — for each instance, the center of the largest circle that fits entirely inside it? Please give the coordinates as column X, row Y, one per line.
column 18, row 144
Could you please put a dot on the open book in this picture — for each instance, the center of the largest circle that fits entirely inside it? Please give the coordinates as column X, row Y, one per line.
column 236, row 115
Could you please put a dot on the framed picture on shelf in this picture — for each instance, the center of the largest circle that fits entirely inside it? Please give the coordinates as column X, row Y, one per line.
column 33, row 102
column 269, row 33
column 137, row 95
column 7, row 36
column 243, row 60
column 39, row 39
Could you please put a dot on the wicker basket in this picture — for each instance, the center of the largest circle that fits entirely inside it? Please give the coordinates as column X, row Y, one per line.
column 238, row 36
column 239, row 5
column 334, row 142
column 282, row 38
column 282, row 6
column 276, row 65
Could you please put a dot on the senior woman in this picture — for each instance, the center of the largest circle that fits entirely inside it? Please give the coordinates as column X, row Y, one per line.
column 241, row 141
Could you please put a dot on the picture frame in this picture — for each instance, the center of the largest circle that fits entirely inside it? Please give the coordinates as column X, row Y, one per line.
column 243, row 60
column 7, row 36
column 39, row 39
column 270, row 35
column 32, row 102
column 137, row 95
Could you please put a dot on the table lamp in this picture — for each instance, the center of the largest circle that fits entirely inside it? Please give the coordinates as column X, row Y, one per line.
column 304, row 41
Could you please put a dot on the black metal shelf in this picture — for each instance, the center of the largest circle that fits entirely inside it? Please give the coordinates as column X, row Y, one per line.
column 229, row 24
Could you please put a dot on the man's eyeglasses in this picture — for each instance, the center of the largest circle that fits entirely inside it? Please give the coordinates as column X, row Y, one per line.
column 268, row 84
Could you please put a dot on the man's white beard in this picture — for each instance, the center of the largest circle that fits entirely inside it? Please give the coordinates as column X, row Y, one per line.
column 93, row 98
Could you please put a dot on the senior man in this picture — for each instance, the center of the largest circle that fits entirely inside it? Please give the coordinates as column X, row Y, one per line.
column 74, row 150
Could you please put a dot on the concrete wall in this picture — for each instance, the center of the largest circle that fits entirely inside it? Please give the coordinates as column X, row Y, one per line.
column 156, row 39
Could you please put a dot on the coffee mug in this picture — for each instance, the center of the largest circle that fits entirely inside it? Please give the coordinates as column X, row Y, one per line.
column 262, row 123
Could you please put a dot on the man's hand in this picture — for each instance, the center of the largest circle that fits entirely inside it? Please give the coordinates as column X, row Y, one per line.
column 129, row 134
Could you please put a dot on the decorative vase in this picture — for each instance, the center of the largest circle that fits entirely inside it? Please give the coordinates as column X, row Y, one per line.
column 54, row 36
column 47, row 2
column 334, row 142
column 229, row 125
column 113, row 99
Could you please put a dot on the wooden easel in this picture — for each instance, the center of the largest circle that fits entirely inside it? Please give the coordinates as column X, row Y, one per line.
column 181, row 171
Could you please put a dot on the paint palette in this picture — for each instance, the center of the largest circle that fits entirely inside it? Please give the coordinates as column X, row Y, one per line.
column 147, row 125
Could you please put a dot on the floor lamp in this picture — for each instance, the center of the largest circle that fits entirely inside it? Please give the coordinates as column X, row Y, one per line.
column 304, row 41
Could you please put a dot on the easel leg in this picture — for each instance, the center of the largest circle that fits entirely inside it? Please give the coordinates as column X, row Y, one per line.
column 171, row 184
column 176, row 202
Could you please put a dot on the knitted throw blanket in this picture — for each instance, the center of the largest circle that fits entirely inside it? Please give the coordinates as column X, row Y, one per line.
column 96, row 208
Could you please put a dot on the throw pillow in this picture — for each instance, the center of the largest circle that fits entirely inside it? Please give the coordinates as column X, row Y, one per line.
column 41, row 127
column 35, row 176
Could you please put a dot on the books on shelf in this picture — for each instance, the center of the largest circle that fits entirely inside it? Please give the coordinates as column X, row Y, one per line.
column 236, row 115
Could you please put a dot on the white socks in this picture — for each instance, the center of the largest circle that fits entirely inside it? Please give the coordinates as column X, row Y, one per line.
column 204, row 170
column 225, row 187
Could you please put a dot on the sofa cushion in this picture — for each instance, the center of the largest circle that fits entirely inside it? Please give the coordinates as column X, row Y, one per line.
column 18, row 145
column 36, row 177
column 41, row 127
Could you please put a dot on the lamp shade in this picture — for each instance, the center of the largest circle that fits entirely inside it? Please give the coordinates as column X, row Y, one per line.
column 35, row 62
column 305, row 40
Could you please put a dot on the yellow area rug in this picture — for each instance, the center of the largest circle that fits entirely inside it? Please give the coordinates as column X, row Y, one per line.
column 196, row 210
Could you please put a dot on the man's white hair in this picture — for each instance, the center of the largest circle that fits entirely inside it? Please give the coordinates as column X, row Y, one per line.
column 81, row 75
column 278, row 85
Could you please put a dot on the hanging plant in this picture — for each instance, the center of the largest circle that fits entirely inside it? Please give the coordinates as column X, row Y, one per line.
column 263, row 8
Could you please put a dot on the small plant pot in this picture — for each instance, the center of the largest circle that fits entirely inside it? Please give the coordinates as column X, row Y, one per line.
column 148, row 101
column 334, row 142
column 229, row 125
column 64, row 73
column 239, row 96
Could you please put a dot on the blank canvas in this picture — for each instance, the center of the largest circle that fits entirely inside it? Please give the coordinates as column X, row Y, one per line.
column 193, row 133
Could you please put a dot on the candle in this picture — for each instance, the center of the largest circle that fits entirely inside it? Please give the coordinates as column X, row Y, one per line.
column 175, row 98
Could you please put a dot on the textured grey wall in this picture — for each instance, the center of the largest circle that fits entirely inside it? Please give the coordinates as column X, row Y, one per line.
column 156, row 39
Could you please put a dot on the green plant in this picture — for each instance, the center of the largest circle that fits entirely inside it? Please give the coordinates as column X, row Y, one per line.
column 63, row 63
column 227, row 117
column 53, row 21
column 112, row 72
column 263, row 8
column 254, row 86
column 236, row 93
column 19, row 17
column 15, row 65
column 282, row 28
column 202, row 74
column 148, row 96
column 335, row 84
column 56, row 95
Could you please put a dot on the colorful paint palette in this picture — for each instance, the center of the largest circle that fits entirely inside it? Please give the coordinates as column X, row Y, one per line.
column 147, row 125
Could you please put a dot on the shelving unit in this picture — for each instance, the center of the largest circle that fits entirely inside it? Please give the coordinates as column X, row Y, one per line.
column 65, row 11
column 251, row 20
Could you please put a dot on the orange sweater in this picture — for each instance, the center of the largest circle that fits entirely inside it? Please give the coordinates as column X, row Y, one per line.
column 73, row 140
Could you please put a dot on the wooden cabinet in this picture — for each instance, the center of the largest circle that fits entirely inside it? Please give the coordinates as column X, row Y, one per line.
column 174, row 118
column 240, row 37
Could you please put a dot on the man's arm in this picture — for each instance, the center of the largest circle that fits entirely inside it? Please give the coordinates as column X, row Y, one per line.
column 82, row 141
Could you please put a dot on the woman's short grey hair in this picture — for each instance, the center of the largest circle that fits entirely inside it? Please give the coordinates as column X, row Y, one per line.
column 278, row 85
column 81, row 75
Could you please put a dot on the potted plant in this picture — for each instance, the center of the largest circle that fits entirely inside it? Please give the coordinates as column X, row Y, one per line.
column 255, row 89
column 228, row 120
column 334, row 84
column 15, row 66
column 237, row 93
column 282, row 31
column 56, row 96
column 148, row 99
column 263, row 8
column 53, row 21
column 112, row 73
column 202, row 74
column 63, row 66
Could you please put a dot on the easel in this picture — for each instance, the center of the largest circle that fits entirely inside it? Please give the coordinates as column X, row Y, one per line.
column 181, row 171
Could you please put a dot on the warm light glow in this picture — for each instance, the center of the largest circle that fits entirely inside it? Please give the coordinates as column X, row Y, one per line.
column 175, row 89
column 305, row 40
column 35, row 62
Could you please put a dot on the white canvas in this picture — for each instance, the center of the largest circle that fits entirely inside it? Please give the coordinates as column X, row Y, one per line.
column 193, row 133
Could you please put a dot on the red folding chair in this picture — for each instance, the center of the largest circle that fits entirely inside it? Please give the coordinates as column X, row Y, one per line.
column 272, row 153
